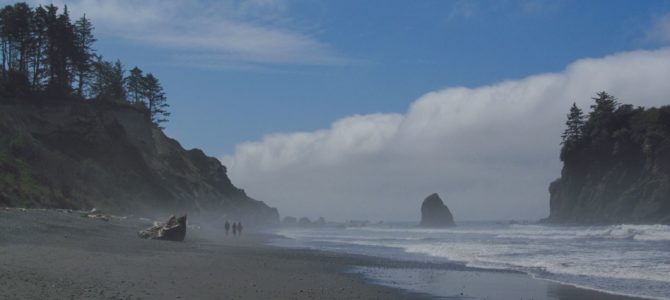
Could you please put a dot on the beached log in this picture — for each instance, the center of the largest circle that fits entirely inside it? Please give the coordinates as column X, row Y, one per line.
column 172, row 230
column 95, row 214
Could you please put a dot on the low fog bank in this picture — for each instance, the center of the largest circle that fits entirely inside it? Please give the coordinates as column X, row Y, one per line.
column 489, row 151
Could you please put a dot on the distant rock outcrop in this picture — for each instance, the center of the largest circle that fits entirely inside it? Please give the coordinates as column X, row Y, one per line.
column 289, row 221
column 320, row 222
column 304, row 221
column 434, row 213
column 172, row 230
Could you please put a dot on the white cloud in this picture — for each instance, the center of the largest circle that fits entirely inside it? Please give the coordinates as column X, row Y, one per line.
column 233, row 32
column 490, row 151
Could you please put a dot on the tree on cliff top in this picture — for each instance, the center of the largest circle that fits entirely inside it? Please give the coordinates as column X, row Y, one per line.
column 575, row 124
column 153, row 92
column 44, row 53
column 146, row 90
column 84, row 53
column 109, row 82
column 614, row 132
column 134, row 85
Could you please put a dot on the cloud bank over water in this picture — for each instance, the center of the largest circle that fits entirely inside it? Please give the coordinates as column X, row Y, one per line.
column 490, row 151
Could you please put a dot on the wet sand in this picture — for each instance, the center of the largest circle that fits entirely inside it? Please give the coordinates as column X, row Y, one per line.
column 48, row 254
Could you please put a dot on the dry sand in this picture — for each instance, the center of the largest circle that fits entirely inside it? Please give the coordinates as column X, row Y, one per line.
column 47, row 254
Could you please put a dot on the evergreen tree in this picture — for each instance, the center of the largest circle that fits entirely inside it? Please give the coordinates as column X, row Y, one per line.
column 43, row 51
column 600, row 118
column 38, row 51
column 22, row 19
column 153, row 92
column 575, row 125
column 83, row 52
column 52, row 42
column 15, row 32
column 109, row 81
column 60, row 51
column 605, row 105
column 135, row 85
column 6, row 30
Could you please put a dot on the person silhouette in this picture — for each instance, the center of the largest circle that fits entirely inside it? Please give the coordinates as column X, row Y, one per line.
column 239, row 227
column 234, row 229
column 227, row 227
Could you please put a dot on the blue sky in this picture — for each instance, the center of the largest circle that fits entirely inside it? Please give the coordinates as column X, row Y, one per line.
column 383, row 55
column 360, row 109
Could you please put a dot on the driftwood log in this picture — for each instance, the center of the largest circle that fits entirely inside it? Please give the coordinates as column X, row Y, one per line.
column 172, row 230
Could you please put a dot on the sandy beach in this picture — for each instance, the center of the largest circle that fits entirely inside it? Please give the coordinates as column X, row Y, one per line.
column 49, row 254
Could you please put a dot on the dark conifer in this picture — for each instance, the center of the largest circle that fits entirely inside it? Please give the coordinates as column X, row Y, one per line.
column 109, row 84
column 43, row 51
column 83, row 53
column 135, row 85
column 575, row 125
column 153, row 92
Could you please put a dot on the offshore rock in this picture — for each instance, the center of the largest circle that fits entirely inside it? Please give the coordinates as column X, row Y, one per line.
column 435, row 214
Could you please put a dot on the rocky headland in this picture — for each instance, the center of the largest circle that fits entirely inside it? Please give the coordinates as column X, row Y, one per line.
column 616, row 166
column 82, row 154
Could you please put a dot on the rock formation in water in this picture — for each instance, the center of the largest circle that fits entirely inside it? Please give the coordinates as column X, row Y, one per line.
column 434, row 213
column 616, row 166
column 85, row 154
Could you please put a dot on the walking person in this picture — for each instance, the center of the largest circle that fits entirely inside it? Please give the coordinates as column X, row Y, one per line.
column 234, row 229
column 227, row 227
column 239, row 227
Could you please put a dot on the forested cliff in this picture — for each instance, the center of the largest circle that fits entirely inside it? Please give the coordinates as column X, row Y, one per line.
column 77, row 131
column 616, row 165
column 110, row 156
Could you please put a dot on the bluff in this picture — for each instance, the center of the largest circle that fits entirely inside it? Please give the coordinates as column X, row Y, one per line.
column 84, row 154
column 434, row 213
column 616, row 166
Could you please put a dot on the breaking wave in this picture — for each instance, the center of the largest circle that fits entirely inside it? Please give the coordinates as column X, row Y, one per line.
column 629, row 259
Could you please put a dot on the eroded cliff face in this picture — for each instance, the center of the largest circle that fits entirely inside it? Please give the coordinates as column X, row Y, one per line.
column 110, row 156
column 626, row 192
column 621, row 174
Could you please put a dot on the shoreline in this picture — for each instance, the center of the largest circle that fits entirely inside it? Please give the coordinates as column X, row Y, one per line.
column 559, row 290
column 50, row 254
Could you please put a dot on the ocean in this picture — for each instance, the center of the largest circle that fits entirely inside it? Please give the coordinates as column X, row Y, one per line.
column 620, row 259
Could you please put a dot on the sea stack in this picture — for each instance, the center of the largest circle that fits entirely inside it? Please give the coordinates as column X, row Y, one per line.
column 435, row 214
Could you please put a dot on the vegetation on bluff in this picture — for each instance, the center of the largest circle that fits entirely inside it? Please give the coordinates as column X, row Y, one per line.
column 77, row 131
column 616, row 165
column 47, row 56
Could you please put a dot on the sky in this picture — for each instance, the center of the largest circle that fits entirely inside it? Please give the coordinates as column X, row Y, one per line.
column 360, row 109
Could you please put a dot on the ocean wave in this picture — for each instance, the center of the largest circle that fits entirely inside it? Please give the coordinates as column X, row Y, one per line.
column 617, row 258
column 621, row 232
column 595, row 263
